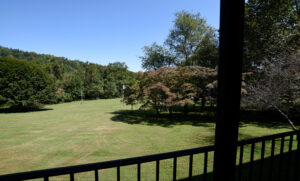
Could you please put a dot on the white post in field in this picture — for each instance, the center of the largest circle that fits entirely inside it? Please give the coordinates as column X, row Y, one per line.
column 123, row 89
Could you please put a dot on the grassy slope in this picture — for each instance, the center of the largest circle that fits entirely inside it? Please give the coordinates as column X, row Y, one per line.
column 74, row 133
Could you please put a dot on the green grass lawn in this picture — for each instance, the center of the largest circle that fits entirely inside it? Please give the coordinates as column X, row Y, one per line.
column 100, row 130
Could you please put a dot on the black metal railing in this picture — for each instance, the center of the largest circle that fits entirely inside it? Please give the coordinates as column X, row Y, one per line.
column 272, row 167
column 95, row 167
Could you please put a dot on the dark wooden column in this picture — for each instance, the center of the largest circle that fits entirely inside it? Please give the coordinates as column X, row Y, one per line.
column 229, row 88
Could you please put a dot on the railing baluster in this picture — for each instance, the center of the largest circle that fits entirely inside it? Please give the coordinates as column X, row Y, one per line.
column 280, row 158
column 191, row 168
column 46, row 178
column 205, row 166
column 139, row 172
column 96, row 175
column 262, row 157
column 289, row 158
column 157, row 170
column 174, row 168
column 71, row 176
column 272, row 160
column 118, row 173
column 251, row 162
column 241, row 162
column 296, row 171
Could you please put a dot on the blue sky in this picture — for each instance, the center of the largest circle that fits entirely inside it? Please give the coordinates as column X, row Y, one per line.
column 94, row 30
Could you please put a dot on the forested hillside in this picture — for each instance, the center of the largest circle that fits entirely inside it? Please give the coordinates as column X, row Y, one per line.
column 73, row 78
column 69, row 65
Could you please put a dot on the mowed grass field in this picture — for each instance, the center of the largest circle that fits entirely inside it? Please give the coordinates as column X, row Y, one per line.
column 100, row 130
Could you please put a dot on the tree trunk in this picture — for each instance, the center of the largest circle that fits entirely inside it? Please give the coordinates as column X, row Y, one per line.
column 194, row 107
column 157, row 111
column 287, row 118
column 211, row 104
column 185, row 110
column 171, row 111
column 203, row 102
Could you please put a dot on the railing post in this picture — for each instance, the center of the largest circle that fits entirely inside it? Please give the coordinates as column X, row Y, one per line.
column 296, row 171
column 229, row 88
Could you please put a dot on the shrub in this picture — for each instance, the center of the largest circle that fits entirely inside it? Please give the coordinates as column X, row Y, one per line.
column 23, row 85
column 64, row 97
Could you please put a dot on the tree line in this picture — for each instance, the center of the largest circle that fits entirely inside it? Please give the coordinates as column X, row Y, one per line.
column 66, row 80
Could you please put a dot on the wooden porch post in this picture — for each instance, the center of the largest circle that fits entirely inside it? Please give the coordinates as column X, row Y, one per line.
column 229, row 88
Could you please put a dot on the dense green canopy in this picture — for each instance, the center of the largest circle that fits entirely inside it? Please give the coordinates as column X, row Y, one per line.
column 23, row 84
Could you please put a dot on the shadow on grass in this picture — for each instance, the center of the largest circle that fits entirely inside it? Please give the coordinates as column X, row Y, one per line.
column 264, row 119
column 284, row 173
column 13, row 110
column 267, row 119
column 148, row 117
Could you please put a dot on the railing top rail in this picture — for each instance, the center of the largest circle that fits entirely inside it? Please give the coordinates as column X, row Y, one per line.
column 103, row 165
column 267, row 138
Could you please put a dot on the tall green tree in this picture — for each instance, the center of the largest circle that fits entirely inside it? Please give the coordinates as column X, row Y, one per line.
column 156, row 57
column 271, row 27
column 187, row 36
column 208, row 53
